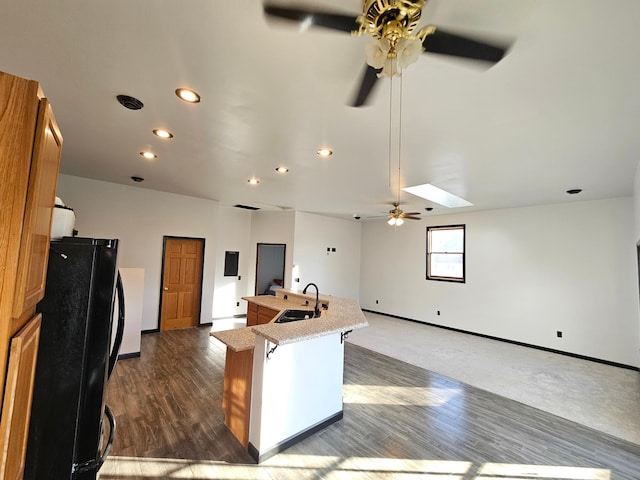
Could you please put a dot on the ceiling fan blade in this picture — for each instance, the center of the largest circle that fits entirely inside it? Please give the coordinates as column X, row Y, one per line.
column 412, row 213
column 412, row 218
column 366, row 85
column 451, row 44
column 334, row 21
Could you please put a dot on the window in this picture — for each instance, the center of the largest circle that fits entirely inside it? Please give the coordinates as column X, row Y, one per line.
column 445, row 253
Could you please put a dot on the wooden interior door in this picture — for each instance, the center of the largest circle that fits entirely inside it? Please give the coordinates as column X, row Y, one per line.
column 181, row 282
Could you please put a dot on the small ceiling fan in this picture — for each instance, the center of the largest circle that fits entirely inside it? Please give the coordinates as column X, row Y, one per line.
column 391, row 24
column 397, row 216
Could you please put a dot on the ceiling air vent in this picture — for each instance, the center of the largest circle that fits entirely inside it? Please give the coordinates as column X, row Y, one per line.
column 247, row 207
column 130, row 102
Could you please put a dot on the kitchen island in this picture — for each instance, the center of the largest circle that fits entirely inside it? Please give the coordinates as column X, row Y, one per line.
column 283, row 381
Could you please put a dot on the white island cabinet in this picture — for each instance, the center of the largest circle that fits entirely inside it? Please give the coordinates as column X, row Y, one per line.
column 283, row 381
column 296, row 392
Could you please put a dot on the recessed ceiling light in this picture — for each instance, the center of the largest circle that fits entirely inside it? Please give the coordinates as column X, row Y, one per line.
column 574, row 191
column 158, row 132
column 137, row 179
column 282, row 169
column 324, row 152
column 188, row 95
column 437, row 195
column 253, row 181
column 148, row 155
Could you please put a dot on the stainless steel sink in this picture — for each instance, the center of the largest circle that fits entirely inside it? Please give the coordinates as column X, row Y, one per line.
column 294, row 316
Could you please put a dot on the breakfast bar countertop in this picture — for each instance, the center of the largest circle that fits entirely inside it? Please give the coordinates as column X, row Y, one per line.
column 238, row 339
column 342, row 315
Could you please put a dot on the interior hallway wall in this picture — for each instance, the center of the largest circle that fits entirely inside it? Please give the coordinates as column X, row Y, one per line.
column 530, row 272
column 233, row 231
column 336, row 273
column 139, row 218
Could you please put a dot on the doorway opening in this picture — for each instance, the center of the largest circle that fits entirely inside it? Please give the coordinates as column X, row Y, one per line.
column 270, row 260
column 181, row 288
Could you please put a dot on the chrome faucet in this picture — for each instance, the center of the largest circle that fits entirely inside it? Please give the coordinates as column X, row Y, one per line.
column 316, row 309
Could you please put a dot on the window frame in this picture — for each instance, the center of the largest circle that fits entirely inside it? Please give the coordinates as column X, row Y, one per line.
column 463, row 253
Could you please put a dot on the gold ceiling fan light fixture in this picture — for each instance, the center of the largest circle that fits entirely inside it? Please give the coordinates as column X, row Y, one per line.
column 397, row 216
column 391, row 23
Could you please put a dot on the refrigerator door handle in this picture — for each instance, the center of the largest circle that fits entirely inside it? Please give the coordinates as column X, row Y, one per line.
column 113, row 357
column 94, row 465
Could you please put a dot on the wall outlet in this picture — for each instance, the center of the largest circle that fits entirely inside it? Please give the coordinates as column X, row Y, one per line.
column 559, row 334
column 438, row 312
column 237, row 304
column 376, row 302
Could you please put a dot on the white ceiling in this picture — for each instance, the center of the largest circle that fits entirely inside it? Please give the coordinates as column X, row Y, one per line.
column 559, row 111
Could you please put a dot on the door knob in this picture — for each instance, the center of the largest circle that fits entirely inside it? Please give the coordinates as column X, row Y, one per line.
column 166, row 289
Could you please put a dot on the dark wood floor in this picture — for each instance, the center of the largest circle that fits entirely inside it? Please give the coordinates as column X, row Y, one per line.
column 400, row 421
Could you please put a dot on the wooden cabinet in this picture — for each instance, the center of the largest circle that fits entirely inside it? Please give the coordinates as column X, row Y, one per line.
column 265, row 314
column 17, row 399
column 259, row 314
column 30, row 146
column 236, row 396
column 252, row 314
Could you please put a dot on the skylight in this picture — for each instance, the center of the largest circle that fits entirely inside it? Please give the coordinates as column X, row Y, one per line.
column 437, row 195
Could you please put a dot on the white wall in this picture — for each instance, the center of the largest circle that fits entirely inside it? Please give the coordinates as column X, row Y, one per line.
column 140, row 218
column 636, row 203
column 133, row 286
column 336, row 273
column 234, row 236
column 636, row 211
column 530, row 272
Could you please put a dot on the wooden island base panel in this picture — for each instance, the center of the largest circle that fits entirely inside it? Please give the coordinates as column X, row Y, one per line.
column 236, row 396
column 268, row 405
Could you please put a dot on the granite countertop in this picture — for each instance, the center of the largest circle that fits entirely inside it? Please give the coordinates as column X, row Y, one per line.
column 342, row 315
column 238, row 339
column 279, row 303
column 285, row 299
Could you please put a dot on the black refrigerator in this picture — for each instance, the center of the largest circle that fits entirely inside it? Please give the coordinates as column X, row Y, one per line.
column 69, row 418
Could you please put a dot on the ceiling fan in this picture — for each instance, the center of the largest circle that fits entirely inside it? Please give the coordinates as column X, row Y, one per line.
column 391, row 24
column 397, row 216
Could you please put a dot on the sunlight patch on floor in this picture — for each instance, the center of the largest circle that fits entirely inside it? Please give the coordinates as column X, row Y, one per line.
column 393, row 395
column 505, row 471
column 309, row 466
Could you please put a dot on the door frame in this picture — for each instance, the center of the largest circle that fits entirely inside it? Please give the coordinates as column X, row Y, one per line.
column 164, row 249
column 284, row 262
